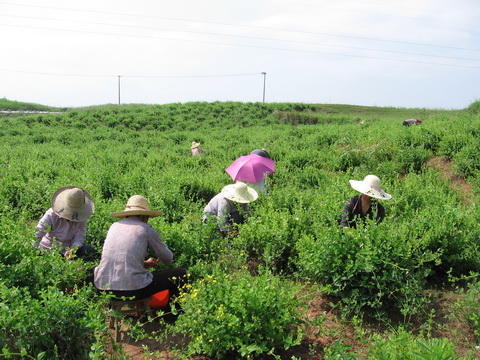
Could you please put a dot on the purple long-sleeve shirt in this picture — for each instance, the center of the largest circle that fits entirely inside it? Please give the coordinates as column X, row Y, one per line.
column 51, row 229
column 124, row 252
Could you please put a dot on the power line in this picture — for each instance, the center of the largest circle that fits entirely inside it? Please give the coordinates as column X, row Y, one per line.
column 257, row 47
column 243, row 26
column 228, row 35
column 133, row 76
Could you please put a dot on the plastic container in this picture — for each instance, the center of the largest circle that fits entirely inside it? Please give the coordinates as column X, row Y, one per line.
column 159, row 299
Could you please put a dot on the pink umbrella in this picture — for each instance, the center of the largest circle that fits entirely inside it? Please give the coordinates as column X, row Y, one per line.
column 250, row 168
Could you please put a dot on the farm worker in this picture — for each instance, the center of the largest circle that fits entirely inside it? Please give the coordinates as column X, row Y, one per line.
column 409, row 122
column 230, row 207
column 196, row 149
column 65, row 223
column 123, row 270
column 260, row 186
column 365, row 205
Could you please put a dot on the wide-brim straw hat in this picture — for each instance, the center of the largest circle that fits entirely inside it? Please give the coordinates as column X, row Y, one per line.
column 72, row 203
column 195, row 144
column 370, row 186
column 240, row 192
column 137, row 205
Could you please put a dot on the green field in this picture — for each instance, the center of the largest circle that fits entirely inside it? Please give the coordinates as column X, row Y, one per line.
column 253, row 296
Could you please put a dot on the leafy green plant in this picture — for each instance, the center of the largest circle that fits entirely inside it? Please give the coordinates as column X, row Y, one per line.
column 238, row 314
column 404, row 346
column 368, row 268
column 60, row 325
column 469, row 307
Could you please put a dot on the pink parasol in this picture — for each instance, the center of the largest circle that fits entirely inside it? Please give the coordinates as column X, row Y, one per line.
column 250, row 168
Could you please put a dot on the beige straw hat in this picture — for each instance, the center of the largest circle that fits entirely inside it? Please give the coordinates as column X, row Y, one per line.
column 137, row 205
column 72, row 203
column 240, row 192
column 370, row 186
column 195, row 144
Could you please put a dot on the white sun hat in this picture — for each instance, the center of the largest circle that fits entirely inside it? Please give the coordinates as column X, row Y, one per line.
column 72, row 203
column 240, row 192
column 370, row 186
column 137, row 205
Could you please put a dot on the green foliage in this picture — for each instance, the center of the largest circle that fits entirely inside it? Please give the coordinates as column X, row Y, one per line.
column 405, row 346
column 22, row 106
column 368, row 268
column 114, row 152
column 474, row 107
column 469, row 307
column 227, row 316
column 59, row 325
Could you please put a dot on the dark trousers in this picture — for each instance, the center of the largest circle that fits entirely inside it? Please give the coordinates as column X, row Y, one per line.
column 87, row 253
column 162, row 280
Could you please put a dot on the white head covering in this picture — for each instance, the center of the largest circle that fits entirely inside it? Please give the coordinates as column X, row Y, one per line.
column 370, row 186
column 240, row 192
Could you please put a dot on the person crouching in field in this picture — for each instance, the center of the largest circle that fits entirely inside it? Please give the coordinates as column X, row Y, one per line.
column 196, row 149
column 409, row 122
column 230, row 207
column 364, row 206
column 261, row 185
column 123, row 270
column 65, row 224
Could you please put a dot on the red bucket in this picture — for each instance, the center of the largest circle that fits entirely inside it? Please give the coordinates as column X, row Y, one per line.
column 159, row 299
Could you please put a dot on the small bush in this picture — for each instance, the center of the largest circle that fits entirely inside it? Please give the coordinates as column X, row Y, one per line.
column 60, row 325
column 405, row 346
column 230, row 315
column 469, row 306
column 371, row 268
column 474, row 107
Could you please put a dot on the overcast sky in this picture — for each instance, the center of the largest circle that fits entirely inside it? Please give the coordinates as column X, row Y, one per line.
column 400, row 53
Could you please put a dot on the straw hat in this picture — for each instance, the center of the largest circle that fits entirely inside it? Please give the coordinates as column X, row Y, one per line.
column 137, row 205
column 370, row 186
column 195, row 144
column 240, row 192
column 72, row 203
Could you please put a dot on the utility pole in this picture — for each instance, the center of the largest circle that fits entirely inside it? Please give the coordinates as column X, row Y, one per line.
column 118, row 89
column 264, row 80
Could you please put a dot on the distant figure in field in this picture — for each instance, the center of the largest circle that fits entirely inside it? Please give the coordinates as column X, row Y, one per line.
column 409, row 122
column 261, row 152
column 230, row 207
column 260, row 186
column 196, row 149
column 365, row 205
column 64, row 225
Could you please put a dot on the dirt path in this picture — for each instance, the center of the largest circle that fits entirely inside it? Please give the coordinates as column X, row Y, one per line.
column 458, row 183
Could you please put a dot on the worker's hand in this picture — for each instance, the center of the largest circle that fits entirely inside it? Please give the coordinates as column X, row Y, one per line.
column 69, row 253
column 150, row 263
column 349, row 232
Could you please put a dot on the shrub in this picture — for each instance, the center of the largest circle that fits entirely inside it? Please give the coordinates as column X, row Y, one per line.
column 404, row 346
column 469, row 307
column 63, row 326
column 238, row 314
column 371, row 268
column 474, row 107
